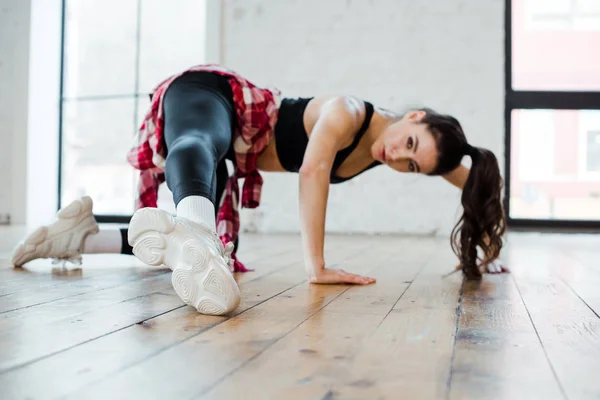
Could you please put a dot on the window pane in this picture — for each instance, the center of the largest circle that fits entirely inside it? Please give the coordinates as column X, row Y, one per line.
column 100, row 47
column 96, row 137
column 171, row 39
column 555, row 164
column 556, row 45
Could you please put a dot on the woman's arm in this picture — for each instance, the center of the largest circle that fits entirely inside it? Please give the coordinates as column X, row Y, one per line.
column 338, row 119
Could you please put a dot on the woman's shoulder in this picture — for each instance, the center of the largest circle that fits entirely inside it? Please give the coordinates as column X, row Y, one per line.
column 342, row 106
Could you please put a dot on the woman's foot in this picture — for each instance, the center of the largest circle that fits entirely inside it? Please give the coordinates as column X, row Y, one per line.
column 201, row 277
column 63, row 239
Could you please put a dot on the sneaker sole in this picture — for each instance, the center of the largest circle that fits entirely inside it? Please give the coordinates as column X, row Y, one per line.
column 30, row 248
column 199, row 278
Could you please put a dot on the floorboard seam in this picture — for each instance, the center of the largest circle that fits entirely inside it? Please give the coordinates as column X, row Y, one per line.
column 68, row 281
column 81, row 294
column 572, row 257
column 580, row 298
column 216, row 383
column 404, row 291
column 558, row 382
column 233, row 371
column 52, row 285
column 188, row 338
column 155, row 316
column 86, row 341
column 459, row 309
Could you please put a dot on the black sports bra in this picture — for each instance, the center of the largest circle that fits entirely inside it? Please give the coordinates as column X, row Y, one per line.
column 291, row 138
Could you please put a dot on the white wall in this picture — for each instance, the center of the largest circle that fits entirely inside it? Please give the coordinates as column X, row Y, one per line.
column 14, row 59
column 447, row 54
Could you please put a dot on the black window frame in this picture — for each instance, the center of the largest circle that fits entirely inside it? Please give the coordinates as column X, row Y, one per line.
column 525, row 99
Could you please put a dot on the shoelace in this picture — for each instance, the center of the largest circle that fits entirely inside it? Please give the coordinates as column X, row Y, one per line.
column 227, row 252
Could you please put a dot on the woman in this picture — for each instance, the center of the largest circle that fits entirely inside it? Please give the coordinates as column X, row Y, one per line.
column 208, row 114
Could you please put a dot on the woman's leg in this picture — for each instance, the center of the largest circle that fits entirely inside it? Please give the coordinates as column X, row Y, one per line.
column 222, row 177
column 73, row 232
column 198, row 133
column 125, row 246
column 63, row 238
column 115, row 241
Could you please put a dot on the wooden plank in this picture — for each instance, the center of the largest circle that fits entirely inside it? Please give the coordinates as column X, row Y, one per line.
column 568, row 329
column 574, row 259
column 410, row 352
column 93, row 265
column 84, row 332
column 28, row 345
column 18, row 279
column 41, row 288
column 319, row 353
column 218, row 351
column 31, row 317
column 41, row 274
column 497, row 353
column 270, row 263
column 75, row 287
column 37, row 316
column 582, row 275
column 79, row 366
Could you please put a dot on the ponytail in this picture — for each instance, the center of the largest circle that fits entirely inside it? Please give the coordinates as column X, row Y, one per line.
column 483, row 221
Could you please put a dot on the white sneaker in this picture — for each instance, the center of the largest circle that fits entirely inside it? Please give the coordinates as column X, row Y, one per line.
column 201, row 276
column 63, row 239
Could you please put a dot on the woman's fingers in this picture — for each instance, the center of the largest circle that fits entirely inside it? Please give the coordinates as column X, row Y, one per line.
column 497, row 267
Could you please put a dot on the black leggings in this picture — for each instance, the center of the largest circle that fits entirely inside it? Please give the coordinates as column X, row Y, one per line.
column 198, row 134
column 198, row 131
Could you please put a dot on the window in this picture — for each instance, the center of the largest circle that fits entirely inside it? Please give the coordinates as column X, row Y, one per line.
column 114, row 53
column 553, row 112
column 555, row 45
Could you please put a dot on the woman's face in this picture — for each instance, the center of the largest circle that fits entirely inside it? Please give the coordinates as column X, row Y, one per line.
column 407, row 145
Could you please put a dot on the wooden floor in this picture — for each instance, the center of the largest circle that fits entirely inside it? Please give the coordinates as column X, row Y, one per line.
column 116, row 329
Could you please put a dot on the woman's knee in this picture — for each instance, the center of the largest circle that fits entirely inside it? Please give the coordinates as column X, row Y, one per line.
column 191, row 147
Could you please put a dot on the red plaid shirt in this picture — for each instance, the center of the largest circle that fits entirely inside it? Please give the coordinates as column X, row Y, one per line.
column 256, row 114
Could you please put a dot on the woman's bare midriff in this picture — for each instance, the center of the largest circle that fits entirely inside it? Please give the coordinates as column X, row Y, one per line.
column 268, row 160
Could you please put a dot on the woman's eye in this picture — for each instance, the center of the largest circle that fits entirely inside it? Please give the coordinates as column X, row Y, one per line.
column 410, row 143
column 411, row 167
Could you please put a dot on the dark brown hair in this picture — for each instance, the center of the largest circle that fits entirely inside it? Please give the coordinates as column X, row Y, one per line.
column 483, row 221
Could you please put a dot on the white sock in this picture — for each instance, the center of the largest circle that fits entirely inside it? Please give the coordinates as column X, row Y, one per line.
column 198, row 209
column 107, row 241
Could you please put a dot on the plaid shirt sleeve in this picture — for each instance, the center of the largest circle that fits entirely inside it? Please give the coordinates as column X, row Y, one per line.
column 256, row 114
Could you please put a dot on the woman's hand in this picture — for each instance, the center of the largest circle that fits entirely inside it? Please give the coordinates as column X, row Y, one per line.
column 332, row 276
column 495, row 267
